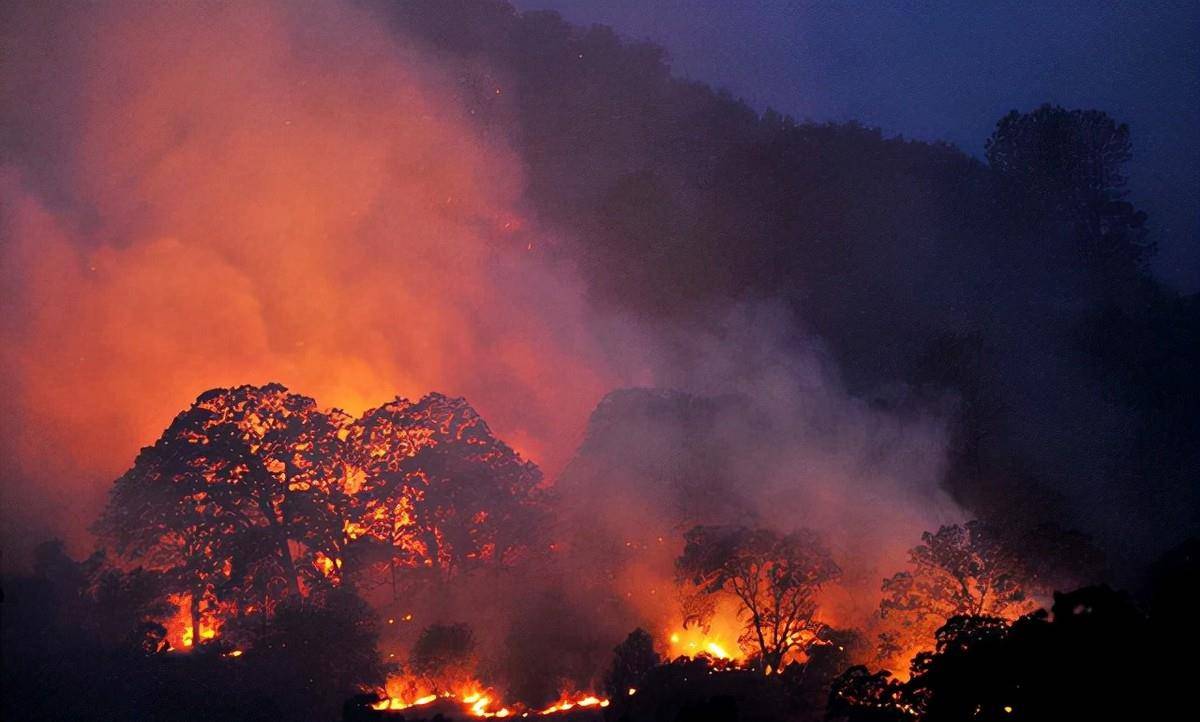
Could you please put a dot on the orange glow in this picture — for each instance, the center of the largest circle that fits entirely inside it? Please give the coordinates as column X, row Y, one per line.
column 476, row 700
column 325, row 564
column 693, row 641
column 273, row 240
column 569, row 701
column 179, row 626
column 717, row 639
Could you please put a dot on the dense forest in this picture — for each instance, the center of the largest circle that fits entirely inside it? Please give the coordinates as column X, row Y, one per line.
column 261, row 559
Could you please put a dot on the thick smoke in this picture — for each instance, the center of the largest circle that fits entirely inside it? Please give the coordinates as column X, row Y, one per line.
column 763, row 437
column 767, row 437
column 200, row 196
column 211, row 195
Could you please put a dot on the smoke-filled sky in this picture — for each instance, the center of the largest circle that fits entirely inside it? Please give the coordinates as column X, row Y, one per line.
column 204, row 195
column 947, row 70
column 200, row 196
column 360, row 200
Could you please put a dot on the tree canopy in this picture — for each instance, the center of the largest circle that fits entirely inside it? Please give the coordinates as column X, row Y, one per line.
column 961, row 570
column 254, row 495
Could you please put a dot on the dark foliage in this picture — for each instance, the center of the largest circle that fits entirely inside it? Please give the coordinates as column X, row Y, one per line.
column 316, row 652
column 78, row 643
column 632, row 661
column 774, row 577
column 1095, row 656
column 697, row 689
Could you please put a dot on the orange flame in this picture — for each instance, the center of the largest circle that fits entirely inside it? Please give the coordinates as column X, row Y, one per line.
column 179, row 627
column 477, row 700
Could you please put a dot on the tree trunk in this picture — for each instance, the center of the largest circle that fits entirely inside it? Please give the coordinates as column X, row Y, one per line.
column 289, row 565
column 772, row 662
column 762, row 642
column 432, row 548
column 195, row 608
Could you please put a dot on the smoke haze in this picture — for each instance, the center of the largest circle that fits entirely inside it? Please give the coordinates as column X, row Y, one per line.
column 200, row 196
column 207, row 195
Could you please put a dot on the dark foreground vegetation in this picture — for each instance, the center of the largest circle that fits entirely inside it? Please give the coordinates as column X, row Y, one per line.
column 71, row 651
column 1009, row 292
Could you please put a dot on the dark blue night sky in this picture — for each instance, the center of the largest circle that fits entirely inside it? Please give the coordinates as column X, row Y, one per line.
column 948, row 70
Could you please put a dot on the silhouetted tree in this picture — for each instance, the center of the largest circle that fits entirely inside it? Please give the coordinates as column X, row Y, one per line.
column 1057, row 666
column 1069, row 166
column 632, row 660
column 153, row 518
column 126, row 606
column 440, row 488
column 1068, row 156
column 774, row 576
column 219, row 500
column 859, row 695
column 831, row 654
column 966, row 570
column 110, row 605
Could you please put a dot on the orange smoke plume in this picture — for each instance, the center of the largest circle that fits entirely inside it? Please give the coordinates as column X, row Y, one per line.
column 216, row 195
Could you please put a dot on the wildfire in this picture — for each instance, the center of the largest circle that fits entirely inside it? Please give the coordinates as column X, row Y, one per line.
column 693, row 641
column 566, row 702
column 179, row 627
column 206, row 633
column 477, row 701
column 326, row 564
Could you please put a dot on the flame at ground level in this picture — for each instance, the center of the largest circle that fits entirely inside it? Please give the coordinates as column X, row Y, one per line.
column 487, row 704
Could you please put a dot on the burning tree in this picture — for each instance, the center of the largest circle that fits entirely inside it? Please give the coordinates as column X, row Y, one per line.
column 962, row 570
column 254, row 495
column 439, row 488
column 775, row 577
column 228, row 494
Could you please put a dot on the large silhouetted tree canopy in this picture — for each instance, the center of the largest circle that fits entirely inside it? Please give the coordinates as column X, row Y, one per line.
column 228, row 492
column 436, row 485
column 253, row 495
